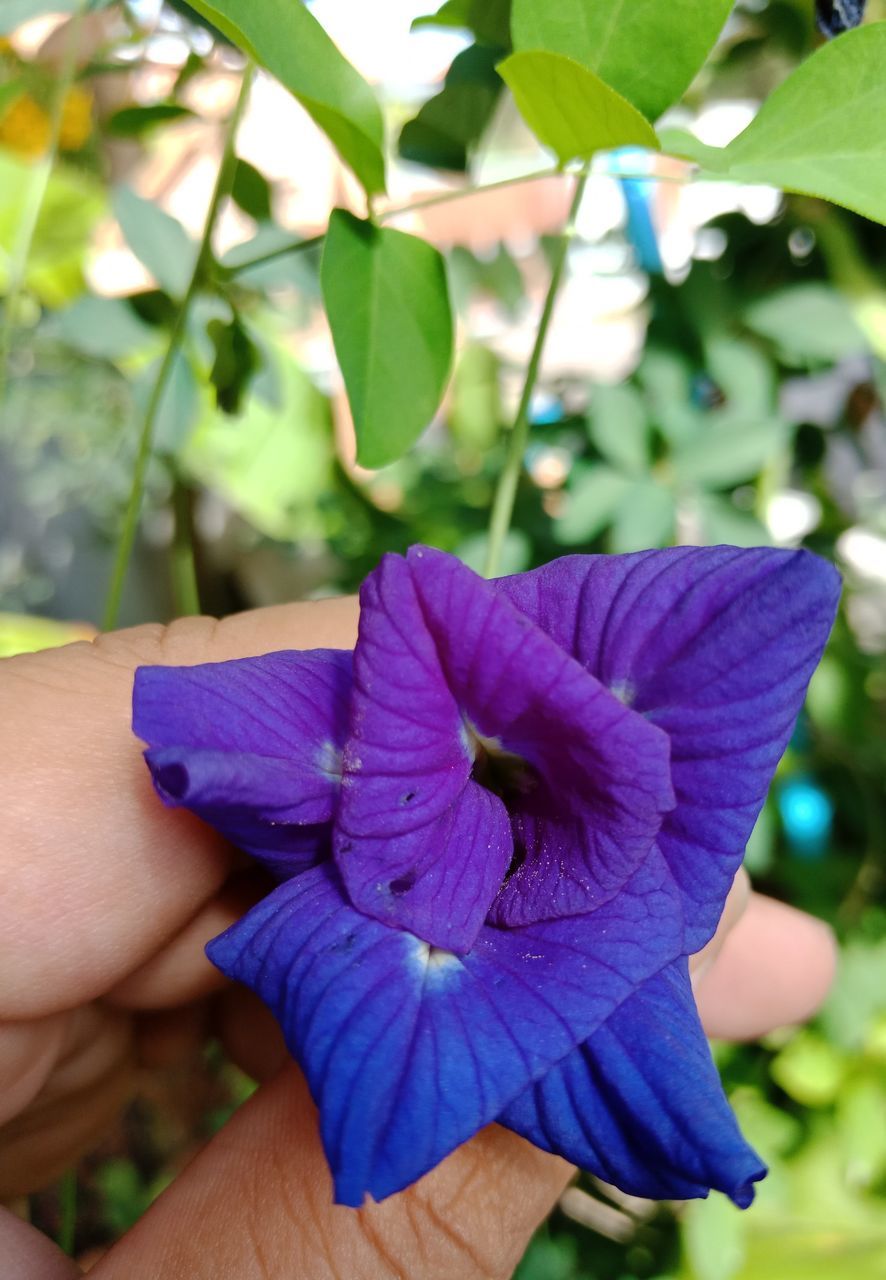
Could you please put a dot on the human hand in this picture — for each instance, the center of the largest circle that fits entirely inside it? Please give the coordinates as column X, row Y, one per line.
column 107, row 901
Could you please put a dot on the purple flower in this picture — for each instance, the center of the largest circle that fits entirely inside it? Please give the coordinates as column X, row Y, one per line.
column 501, row 830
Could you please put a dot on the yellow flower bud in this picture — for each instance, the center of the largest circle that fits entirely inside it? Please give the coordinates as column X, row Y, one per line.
column 76, row 122
column 25, row 127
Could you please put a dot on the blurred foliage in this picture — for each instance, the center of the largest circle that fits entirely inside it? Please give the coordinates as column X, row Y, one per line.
column 753, row 413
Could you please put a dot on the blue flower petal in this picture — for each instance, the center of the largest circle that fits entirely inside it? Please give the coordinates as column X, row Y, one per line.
column 640, row 1103
column 442, row 661
column 409, row 1051
column 715, row 646
column 251, row 746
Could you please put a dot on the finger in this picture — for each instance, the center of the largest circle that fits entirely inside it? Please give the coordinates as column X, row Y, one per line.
column 28, row 1053
column 250, row 1033
column 88, row 1086
column 28, row 1255
column 171, row 1037
column 257, row 1204
column 774, row 968
column 96, row 875
column 736, row 904
column 181, row 972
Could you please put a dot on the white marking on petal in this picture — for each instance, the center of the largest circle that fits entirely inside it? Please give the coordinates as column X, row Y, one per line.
column 624, row 691
column 329, row 760
column 434, row 961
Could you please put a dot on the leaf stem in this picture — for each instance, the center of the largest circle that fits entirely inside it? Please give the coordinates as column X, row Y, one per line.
column 440, row 197
column 506, row 490
column 201, row 263
column 36, row 194
column 425, row 202
column 183, row 567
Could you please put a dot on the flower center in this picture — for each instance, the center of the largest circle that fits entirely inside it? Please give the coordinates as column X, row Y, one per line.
column 502, row 772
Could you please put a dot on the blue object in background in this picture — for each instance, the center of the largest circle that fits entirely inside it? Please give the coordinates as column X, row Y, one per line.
column 807, row 815
column 545, row 409
column 640, row 196
column 833, row 17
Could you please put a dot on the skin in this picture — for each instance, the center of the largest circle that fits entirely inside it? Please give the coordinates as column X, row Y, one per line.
column 106, row 903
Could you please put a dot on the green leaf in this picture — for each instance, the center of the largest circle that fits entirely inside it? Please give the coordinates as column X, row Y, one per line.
column 618, row 427
column 726, row 453
column 684, row 144
column 861, row 1115
column 287, row 40
column 666, row 379
column 387, row 301
column 649, row 50
column 499, row 276
column 820, row 1248
column 236, row 360
column 475, row 412
column 760, row 848
column 135, row 122
column 549, row 1259
column 821, row 132
column 451, row 123
column 857, row 995
column 489, row 20
column 292, row 270
column 809, row 321
column 14, row 12
column 714, row 1238
column 809, row 1069
column 179, row 407
column 771, row 1130
column 722, row 522
column 20, row 633
column 516, row 552
column 591, row 501
column 269, row 462
column 570, row 109
column 158, row 240
column 744, row 374
column 645, row 518
column 72, row 206
column 251, row 191
column 106, row 328
column 9, row 91
column 125, row 1193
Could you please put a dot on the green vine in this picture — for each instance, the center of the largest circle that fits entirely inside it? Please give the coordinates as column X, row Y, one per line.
column 146, row 435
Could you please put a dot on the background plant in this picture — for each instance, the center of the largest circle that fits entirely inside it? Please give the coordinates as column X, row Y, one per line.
column 185, row 439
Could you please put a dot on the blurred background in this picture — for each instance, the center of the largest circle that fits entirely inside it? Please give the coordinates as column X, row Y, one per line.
column 716, row 372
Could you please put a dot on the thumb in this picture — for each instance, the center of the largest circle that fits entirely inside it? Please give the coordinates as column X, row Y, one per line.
column 257, row 1205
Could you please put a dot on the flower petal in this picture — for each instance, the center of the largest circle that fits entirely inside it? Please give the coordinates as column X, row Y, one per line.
column 439, row 650
column 567, row 866
column 716, row 647
column 418, row 843
column 450, row 869
column 252, row 746
column 640, row 1103
column 408, row 1051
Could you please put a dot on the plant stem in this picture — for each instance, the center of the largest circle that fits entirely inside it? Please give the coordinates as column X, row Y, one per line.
column 36, row 194
column 143, row 456
column 427, row 202
column 185, row 586
column 67, row 1211
column 296, row 246
column 506, row 491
